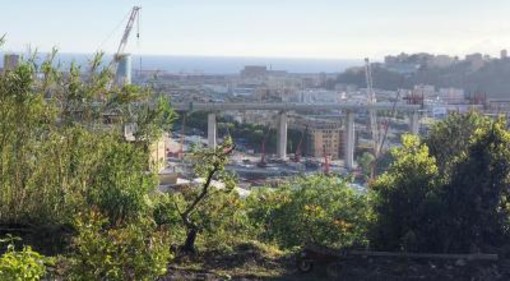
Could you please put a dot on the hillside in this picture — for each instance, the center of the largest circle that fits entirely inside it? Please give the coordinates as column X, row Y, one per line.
column 491, row 79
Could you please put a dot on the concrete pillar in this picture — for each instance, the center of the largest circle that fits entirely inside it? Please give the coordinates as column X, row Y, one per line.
column 349, row 140
column 211, row 130
column 281, row 145
column 414, row 123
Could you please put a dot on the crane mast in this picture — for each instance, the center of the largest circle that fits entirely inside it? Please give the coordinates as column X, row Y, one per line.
column 372, row 113
column 123, row 42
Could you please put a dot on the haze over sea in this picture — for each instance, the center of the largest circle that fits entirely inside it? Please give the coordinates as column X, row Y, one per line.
column 217, row 65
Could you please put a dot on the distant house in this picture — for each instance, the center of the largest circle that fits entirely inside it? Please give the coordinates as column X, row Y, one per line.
column 156, row 149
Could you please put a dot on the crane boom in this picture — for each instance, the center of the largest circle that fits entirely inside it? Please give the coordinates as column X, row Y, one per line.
column 123, row 42
column 372, row 113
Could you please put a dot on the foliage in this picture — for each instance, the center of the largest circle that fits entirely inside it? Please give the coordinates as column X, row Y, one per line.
column 63, row 151
column 366, row 162
column 62, row 143
column 221, row 219
column 208, row 164
column 24, row 265
column 476, row 198
column 135, row 251
column 120, row 187
column 449, row 140
column 316, row 209
column 406, row 196
column 457, row 203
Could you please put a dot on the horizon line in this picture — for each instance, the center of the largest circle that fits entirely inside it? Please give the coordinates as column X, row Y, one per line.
column 191, row 55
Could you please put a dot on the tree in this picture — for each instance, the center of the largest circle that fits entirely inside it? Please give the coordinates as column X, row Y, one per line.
column 209, row 164
column 62, row 143
column 449, row 139
column 63, row 153
column 366, row 162
column 477, row 195
column 461, row 207
column 406, row 197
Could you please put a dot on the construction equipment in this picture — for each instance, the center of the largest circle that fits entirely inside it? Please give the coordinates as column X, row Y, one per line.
column 382, row 140
column 374, row 130
column 183, row 135
column 263, row 163
column 119, row 55
column 297, row 154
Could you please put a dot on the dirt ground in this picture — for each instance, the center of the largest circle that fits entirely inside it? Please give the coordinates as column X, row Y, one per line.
column 250, row 264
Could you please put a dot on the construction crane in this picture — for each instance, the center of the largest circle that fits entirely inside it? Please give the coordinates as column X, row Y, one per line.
column 297, row 154
column 134, row 16
column 374, row 131
column 263, row 163
column 183, row 135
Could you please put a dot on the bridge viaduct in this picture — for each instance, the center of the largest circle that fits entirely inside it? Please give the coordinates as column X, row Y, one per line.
column 349, row 110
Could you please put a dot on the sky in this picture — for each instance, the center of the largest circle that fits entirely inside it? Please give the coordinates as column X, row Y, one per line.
column 261, row 28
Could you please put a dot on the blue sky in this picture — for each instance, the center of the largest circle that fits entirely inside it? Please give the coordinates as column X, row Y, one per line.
column 265, row 28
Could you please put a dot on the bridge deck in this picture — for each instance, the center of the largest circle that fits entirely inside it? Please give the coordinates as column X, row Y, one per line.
column 195, row 106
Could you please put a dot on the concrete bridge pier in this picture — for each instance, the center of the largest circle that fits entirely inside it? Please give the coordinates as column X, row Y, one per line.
column 349, row 140
column 281, row 140
column 211, row 130
column 414, row 123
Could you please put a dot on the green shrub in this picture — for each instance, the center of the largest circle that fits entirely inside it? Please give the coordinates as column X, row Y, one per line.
column 24, row 265
column 224, row 222
column 120, row 185
column 134, row 251
column 318, row 209
column 451, row 198
column 222, row 218
column 407, row 205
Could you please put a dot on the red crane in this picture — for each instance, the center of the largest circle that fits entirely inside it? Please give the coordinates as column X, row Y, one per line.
column 298, row 153
column 263, row 162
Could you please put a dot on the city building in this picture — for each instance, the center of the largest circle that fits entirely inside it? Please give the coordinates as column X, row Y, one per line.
column 324, row 139
column 11, row 61
column 476, row 60
column 254, row 71
column 440, row 61
column 424, row 91
column 451, row 95
column 503, row 54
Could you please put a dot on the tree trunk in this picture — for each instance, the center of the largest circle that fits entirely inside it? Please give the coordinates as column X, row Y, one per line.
column 189, row 244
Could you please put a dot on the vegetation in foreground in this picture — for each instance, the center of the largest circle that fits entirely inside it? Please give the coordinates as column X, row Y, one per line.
column 75, row 190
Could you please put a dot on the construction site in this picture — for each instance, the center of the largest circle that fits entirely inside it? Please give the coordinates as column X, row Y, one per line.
column 296, row 124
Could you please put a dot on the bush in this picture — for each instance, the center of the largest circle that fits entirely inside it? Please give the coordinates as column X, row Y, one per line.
column 408, row 207
column 321, row 210
column 120, row 185
column 134, row 251
column 453, row 199
column 24, row 265
column 221, row 219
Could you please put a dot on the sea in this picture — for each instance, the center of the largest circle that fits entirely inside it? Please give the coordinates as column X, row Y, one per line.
column 213, row 65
